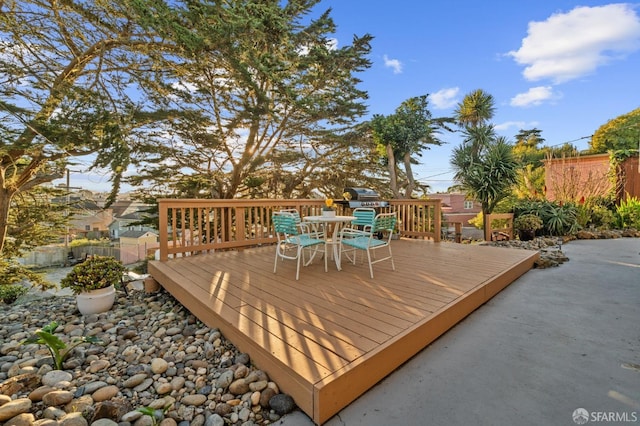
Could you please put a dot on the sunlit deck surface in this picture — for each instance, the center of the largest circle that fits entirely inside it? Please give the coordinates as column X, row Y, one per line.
column 329, row 337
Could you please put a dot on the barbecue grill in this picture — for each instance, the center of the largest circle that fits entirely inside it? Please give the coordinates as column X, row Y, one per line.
column 364, row 197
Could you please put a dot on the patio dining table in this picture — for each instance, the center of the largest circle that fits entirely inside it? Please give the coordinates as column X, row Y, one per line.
column 335, row 222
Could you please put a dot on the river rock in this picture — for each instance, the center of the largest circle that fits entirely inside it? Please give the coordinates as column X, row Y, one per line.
column 73, row 419
column 15, row 407
column 57, row 397
column 24, row 419
column 159, row 365
column 135, row 380
column 105, row 393
column 196, row 399
column 282, row 403
column 52, row 378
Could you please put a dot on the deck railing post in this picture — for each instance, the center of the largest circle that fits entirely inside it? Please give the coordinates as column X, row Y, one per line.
column 163, row 225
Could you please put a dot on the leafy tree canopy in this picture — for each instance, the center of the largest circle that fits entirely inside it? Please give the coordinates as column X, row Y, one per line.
column 267, row 104
column 620, row 133
column 402, row 136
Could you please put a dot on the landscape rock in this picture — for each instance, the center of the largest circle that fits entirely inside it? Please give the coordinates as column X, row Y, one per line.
column 156, row 355
column 14, row 408
column 282, row 403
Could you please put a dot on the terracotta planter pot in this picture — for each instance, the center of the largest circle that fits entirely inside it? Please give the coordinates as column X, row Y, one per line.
column 96, row 301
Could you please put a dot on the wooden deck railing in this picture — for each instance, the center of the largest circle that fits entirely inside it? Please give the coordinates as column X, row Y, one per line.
column 192, row 226
column 499, row 223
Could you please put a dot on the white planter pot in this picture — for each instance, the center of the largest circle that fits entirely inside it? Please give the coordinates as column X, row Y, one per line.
column 329, row 213
column 96, row 301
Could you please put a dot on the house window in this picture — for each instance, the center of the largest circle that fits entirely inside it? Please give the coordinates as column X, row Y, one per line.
column 468, row 204
column 87, row 227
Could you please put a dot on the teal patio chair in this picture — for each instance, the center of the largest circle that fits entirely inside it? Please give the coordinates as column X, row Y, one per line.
column 292, row 241
column 383, row 225
column 306, row 227
column 361, row 226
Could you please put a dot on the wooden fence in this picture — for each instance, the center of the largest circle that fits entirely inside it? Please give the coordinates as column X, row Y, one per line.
column 192, row 226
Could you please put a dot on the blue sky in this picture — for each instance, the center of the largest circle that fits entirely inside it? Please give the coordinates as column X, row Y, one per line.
column 564, row 67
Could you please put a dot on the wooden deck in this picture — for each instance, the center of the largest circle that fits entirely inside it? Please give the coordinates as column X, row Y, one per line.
column 329, row 337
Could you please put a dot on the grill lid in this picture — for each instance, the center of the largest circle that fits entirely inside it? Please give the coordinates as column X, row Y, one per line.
column 362, row 194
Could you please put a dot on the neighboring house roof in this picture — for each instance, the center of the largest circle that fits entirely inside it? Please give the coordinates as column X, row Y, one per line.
column 136, row 234
column 122, row 208
column 132, row 216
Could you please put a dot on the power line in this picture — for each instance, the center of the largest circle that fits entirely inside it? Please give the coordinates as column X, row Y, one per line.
column 575, row 140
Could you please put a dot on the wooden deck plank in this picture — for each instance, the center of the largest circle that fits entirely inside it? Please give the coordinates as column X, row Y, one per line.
column 330, row 336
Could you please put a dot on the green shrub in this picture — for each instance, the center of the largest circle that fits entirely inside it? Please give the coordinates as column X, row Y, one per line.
column 628, row 213
column 10, row 293
column 597, row 216
column 94, row 273
column 527, row 222
column 557, row 219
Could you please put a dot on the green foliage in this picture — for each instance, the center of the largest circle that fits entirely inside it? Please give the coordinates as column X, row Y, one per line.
column 627, row 213
column 59, row 350
column 84, row 242
column 264, row 98
column 34, row 219
column 527, row 222
column 595, row 212
column 10, row 293
column 70, row 71
column 156, row 415
column 94, row 273
column 487, row 176
column 557, row 218
column 12, row 272
column 476, row 109
column 620, row 133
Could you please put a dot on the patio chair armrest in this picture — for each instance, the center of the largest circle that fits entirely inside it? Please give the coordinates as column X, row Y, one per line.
column 312, row 229
column 354, row 232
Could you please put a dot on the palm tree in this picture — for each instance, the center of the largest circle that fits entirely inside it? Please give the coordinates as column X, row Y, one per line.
column 484, row 165
column 489, row 177
column 476, row 109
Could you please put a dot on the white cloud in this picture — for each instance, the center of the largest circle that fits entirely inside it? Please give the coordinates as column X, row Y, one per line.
column 516, row 125
column 445, row 98
column 534, row 96
column 393, row 63
column 570, row 45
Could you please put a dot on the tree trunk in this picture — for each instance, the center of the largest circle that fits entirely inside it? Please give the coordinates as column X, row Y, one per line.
column 393, row 177
column 485, row 221
column 6, row 196
column 411, row 181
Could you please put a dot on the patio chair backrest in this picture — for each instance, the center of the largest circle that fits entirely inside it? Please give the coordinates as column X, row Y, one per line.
column 364, row 216
column 294, row 212
column 385, row 222
column 285, row 223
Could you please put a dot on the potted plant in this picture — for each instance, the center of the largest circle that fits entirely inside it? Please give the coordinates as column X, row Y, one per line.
column 93, row 282
column 526, row 225
column 329, row 208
